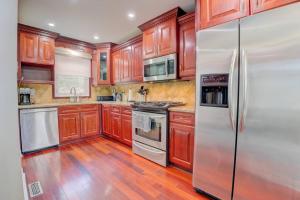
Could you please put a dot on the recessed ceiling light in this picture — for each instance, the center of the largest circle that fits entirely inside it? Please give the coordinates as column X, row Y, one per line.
column 131, row 15
column 96, row 37
column 51, row 24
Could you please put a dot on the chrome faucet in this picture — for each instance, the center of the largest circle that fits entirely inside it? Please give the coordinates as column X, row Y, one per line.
column 74, row 98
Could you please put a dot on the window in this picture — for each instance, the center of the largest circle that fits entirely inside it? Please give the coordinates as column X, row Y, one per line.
column 72, row 69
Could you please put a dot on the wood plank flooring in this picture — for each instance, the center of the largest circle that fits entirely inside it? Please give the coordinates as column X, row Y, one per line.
column 103, row 169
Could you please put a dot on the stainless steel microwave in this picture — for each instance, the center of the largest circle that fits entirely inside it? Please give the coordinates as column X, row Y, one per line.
column 162, row 68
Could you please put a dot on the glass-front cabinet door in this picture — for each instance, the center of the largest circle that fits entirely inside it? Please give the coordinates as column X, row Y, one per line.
column 103, row 66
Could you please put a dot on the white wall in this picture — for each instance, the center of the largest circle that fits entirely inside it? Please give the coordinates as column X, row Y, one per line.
column 10, row 163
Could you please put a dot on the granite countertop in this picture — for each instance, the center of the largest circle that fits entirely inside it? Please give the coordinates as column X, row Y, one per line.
column 48, row 105
column 188, row 109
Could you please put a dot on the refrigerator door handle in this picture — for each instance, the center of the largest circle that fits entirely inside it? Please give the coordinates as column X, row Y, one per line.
column 231, row 83
column 244, row 64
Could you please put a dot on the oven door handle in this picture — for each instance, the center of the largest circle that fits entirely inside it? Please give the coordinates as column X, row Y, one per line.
column 147, row 148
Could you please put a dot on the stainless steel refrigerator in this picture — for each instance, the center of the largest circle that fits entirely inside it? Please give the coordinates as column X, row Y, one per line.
column 247, row 144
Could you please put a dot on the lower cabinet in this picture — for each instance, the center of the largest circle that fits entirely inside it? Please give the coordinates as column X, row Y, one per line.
column 89, row 123
column 77, row 122
column 69, row 127
column 181, row 140
column 116, row 123
column 126, row 129
column 106, row 120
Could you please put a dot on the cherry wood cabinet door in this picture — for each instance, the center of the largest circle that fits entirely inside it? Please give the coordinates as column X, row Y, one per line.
column 181, row 145
column 106, row 120
column 103, row 66
column 137, row 62
column 187, row 50
column 150, row 43
column 46, row 50
column 166, row 39
column 89, row 123
column 263, row 5
column 116, row 126
column 126, row 129
column 214, row 12
column 95, row 64
column 69, row 126
column 126, row 65
column 116, row 65
column 29, row 47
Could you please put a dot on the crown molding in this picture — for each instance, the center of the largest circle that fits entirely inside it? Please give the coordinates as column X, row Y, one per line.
column 187, row 18
column 174, row 13
column 129, row 42
column 34, row 30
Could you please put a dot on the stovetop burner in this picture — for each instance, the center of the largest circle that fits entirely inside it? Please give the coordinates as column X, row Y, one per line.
column 157, row 104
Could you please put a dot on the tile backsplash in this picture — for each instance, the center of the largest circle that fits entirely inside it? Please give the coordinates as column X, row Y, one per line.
column 183, row 91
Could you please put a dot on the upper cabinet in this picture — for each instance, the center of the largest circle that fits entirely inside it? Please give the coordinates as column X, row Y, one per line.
column 36, row 46
column 187, row 47
column 102, row 64
column 160, row 34
column 214, row 12
column 127, row 62
column 35, row 49
column 262, row 5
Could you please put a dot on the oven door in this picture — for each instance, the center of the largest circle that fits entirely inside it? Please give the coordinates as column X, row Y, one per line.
column 162, row 68
column 156, row 135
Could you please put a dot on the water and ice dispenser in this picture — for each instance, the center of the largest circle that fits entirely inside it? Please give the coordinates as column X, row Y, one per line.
column 214, row 90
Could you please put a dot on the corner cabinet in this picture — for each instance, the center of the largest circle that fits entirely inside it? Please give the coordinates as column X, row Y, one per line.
column 187, row 47
column 160, row 34
column 116, row 123
column 181, row 142
column 213, row 12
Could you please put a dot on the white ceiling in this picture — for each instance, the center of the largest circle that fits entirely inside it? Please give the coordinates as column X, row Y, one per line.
column 82, row 19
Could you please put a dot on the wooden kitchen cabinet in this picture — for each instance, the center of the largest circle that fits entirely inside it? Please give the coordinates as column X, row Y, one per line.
column 106, row 120
column 103, row 69
column 127, row 61
column 167, row 38
column 213, row 12
column 69, row 127
column 46, row 50
column 90, row 123
column 181, row 139
column 78, row 122
column 126, row 66
column 160, row 34
column 36, row 49
column 187, row 47
column 263, row 5
column 29, row 47
column 126, row 125
column 137, row 62
column 116, row 66
column 149, row 43
column 116, row 126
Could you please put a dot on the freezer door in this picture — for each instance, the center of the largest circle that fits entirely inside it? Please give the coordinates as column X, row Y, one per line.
column 217, row 53
column 268, row 150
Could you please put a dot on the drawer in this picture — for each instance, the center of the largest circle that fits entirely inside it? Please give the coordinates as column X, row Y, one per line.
column 89, row 107
column 182, row 118
column 116, row 109
column 68, row 109
column 126, row 110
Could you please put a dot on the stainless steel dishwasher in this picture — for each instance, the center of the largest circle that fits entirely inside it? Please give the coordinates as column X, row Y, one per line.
column 39, row 129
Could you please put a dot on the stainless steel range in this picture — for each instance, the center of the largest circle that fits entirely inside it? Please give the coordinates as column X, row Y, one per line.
column 150, row 130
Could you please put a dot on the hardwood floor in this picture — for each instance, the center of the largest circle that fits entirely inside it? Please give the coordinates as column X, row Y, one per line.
column 103, row 169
